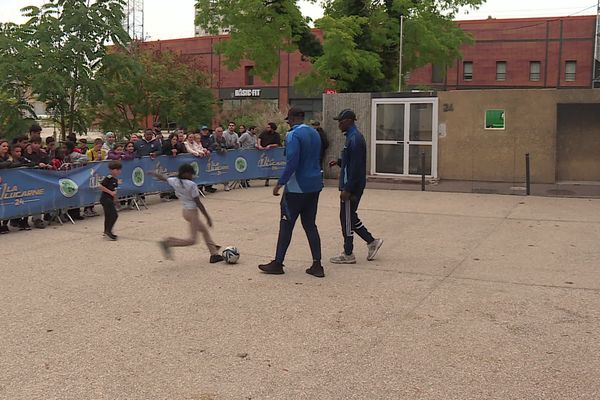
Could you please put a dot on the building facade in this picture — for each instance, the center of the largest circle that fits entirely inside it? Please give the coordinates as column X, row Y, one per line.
column 233, row 88
column 518, row 53
column 447, row 136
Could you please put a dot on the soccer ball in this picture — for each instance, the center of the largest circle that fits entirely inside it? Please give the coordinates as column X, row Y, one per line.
column 231, row 255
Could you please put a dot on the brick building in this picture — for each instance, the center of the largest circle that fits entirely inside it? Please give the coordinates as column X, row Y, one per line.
column 233, row 88
column 518, row 53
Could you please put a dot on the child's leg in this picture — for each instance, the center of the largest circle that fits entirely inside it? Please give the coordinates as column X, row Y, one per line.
column 201, row 227
column 110, row 215
column 188, row 215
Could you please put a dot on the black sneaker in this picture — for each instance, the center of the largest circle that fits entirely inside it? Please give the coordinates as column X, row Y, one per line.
column 39, row 224
column 110, row 236
column 316, row 270
column 24, row 226
column 273, row 268
column 215, row 258
column 4, row 229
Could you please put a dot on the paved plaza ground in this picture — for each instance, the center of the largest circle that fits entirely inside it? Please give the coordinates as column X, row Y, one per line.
column 472, row 296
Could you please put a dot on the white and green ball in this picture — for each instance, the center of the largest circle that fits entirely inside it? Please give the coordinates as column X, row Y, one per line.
column 231, row 255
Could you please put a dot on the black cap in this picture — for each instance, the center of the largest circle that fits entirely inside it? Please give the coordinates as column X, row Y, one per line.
column 35, row 128
column 295, row 112
column 346, row 114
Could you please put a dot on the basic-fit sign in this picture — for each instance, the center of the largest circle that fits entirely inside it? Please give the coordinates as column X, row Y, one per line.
column 246, row 93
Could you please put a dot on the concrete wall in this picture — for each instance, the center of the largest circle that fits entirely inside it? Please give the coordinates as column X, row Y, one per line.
column 471, row 152
column 468, row 151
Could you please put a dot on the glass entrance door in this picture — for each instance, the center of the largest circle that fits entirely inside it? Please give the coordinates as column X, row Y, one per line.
column 403, row 130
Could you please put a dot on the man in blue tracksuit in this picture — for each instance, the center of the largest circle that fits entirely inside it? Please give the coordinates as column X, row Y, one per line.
column 353, row 179
column 303, row 184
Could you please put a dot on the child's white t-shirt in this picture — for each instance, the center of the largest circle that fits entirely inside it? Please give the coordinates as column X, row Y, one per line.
column 186, row 191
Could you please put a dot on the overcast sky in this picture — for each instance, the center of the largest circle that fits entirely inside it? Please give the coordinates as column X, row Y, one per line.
column 175, row 18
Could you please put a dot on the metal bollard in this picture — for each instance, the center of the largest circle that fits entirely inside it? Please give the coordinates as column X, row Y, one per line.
column 422, row 171
column 527, row 174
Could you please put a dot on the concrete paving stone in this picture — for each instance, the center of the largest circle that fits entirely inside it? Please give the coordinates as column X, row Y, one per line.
column 92, row 319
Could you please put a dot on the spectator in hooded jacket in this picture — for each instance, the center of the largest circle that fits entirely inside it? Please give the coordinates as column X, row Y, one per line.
column 148, row 146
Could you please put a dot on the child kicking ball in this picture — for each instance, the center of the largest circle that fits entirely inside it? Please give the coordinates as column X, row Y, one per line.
column 187, row 191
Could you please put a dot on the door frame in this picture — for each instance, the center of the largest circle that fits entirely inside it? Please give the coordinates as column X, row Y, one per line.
column 434, row 134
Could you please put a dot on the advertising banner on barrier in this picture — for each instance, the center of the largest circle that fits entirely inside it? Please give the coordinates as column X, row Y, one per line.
column 26, row 192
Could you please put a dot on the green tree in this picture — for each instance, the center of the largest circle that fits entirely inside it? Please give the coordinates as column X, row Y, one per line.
column 260, row 30
column 15, row 110
column 360, row 47
column 63, row 43
column 139, row 83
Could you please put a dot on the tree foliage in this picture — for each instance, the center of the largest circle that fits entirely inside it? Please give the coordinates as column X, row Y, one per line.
column 143, row 83
column 260, row 30
column 360, row 47
column 15, row 110
column 60, row 49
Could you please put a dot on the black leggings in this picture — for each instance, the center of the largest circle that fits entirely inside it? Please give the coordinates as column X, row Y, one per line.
column 110, row 214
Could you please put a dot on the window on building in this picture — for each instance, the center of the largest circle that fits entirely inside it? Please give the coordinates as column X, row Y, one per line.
column 468, row 70
column 535, row 71
column 570, row 71
column 249, row 75
column 500, row 70
column 437, row 73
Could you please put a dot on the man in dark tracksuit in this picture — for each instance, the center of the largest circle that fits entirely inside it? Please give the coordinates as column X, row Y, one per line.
column 353, row 179
column 303, row 184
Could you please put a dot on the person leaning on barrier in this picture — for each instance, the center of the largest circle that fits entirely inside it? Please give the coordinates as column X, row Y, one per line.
column 248, row 139
column 206, row 138
column 231, row 137
column 194, row 146
column 97, row 152
column 269, row 139
column 129, row 153
column 38, row 156
column 172, row 147
column 148, row 146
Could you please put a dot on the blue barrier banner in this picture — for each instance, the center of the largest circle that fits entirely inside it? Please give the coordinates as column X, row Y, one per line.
column 26, row 192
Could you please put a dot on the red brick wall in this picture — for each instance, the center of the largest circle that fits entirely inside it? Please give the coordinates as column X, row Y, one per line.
column 519, row 41
column 198, row 52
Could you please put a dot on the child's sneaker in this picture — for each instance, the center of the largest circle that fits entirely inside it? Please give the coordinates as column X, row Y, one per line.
column 215, row 258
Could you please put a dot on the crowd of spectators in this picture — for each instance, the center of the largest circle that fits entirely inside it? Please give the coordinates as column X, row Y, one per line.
column 30, row 151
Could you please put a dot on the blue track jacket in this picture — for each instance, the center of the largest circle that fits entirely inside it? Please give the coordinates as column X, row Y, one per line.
column 353, row 176
column 302, row 172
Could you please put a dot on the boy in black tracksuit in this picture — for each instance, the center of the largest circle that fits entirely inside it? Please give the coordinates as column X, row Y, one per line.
column 108, row 186
column 353, row 179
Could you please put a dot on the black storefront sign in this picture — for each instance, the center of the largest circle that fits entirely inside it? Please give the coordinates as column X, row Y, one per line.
column 249, row 93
